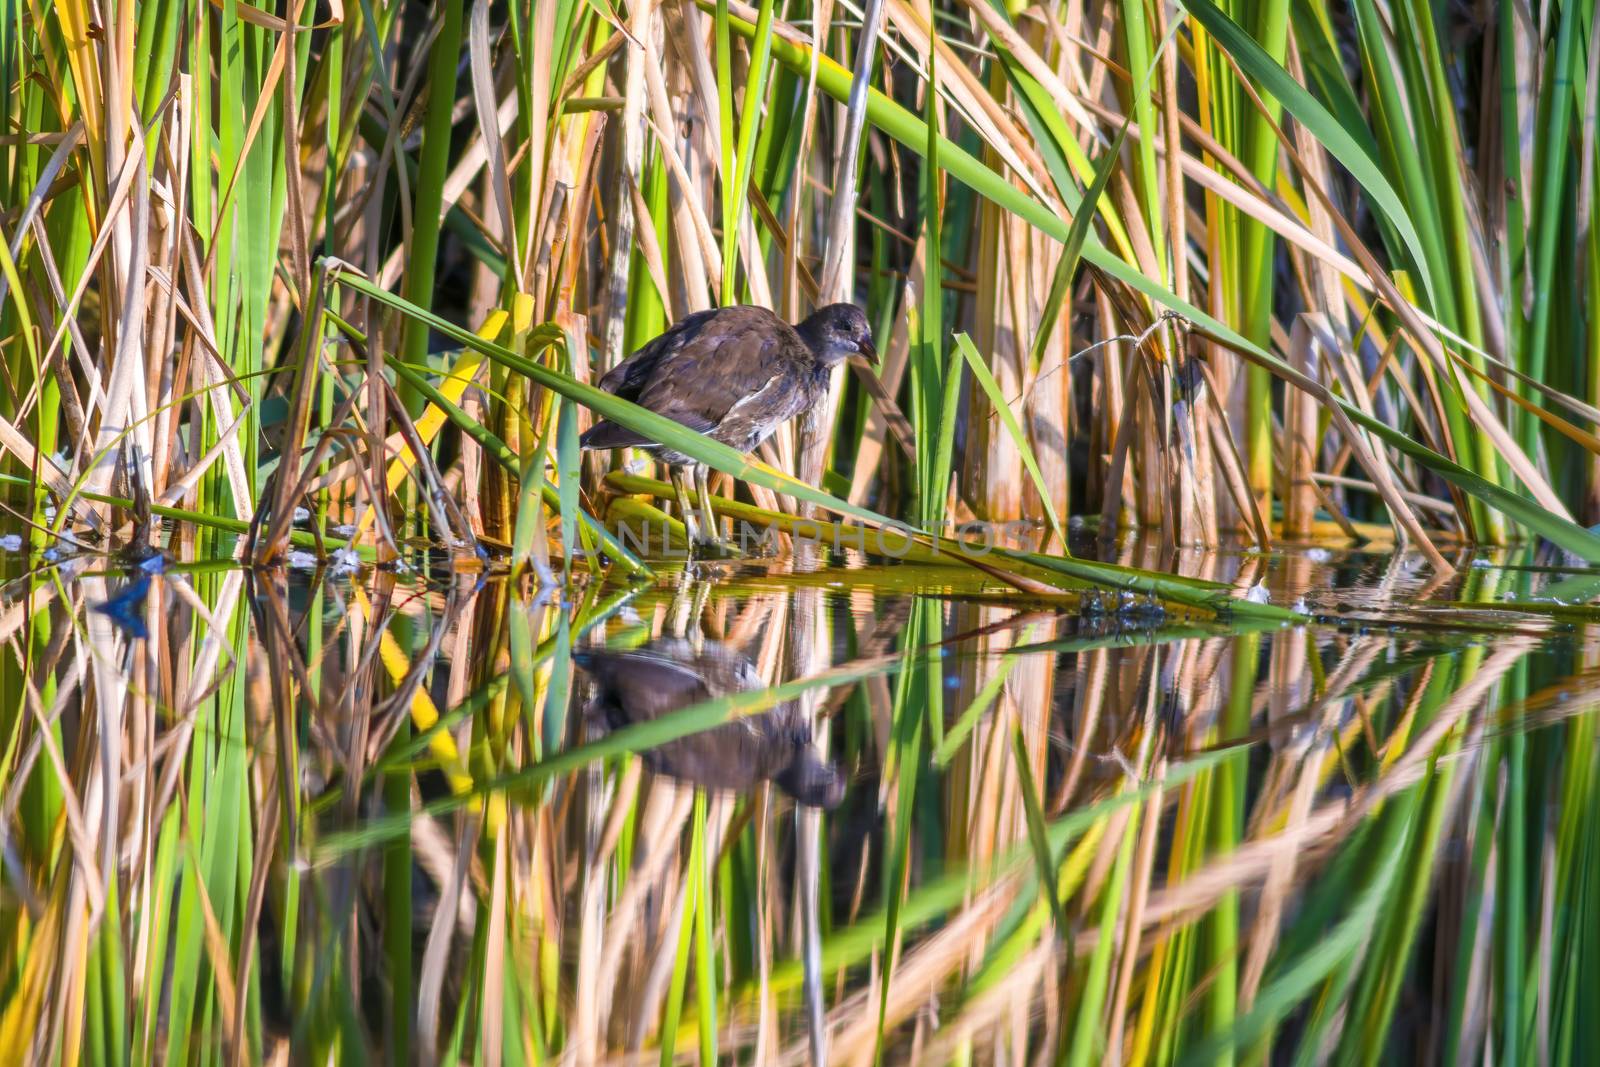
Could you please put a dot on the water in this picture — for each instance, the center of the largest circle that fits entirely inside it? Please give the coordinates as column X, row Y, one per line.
column 394, row 817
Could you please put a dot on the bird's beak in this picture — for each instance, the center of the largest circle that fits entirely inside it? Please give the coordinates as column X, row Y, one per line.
column 868, row 350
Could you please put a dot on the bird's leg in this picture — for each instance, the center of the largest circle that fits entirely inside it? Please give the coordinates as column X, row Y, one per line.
column 711, row 541
column 682, row 610
column 697, row 611
column 710, row 531
column 680, row 484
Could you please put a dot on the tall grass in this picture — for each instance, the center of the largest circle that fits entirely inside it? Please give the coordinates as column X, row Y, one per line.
column 171, row 178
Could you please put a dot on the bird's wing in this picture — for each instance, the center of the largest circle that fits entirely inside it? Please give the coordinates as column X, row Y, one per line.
column 730, row 361
column 645, row 684
column 627, row 378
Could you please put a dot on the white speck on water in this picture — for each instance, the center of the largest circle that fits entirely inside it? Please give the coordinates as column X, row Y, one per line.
column 1301, row 607
column 1318, row 555
column 300, row 560
column 636, row 466
column 1482, row 562
column 346, row 560
column 11, row 543
column 302, row 516
column 343, row 530
column 1257, row 594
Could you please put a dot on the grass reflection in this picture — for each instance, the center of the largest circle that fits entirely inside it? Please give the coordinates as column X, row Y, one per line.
column 366, row 820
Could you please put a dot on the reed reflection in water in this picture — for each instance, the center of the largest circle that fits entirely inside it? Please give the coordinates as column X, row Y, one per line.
column 453, row 821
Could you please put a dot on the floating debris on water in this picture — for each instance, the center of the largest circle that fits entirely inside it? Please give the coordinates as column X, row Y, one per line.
column 1318, row 555
column 345, row 560
column 302, row 516
column 11, row 543
column 1120, row 611
column 1257, row 594
column 301, row 560
column 1143, row 612
column 68, row 563
column 344, row 530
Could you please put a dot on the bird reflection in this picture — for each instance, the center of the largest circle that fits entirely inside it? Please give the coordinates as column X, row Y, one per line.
column 670, row 673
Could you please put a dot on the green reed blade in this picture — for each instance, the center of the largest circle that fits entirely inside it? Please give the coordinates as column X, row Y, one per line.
column 434, row 164
column 1038, row 839
column 1002, row 405
column 685, row 938
column 1344, row 147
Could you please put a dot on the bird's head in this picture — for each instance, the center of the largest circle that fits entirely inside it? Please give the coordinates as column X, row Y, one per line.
column 837, row 332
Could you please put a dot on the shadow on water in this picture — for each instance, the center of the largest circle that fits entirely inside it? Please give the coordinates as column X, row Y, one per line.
column 770, row 813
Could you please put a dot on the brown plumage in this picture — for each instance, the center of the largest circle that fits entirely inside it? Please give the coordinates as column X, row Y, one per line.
column 669, row 674
column 734, row 374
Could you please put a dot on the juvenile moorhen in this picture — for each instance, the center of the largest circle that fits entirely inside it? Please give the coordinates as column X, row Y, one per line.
column 733, row 374
column 668, row 674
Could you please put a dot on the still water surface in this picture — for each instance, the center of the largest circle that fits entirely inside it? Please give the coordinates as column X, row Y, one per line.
column 771, row 813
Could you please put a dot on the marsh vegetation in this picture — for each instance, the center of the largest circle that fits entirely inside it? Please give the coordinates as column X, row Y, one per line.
column 1175, row 651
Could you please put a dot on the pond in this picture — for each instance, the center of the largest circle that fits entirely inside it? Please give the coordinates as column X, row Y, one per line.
column 772, row 813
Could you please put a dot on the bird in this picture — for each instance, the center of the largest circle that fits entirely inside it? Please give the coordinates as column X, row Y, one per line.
column 668, row 674
column 734, row 374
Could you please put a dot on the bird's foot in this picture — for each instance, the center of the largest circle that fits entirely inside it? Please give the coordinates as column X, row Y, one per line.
column 712, row 548
column 765, row 547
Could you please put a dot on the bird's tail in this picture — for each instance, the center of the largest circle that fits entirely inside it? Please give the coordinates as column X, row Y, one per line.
column 604, row 434
column 811, row 781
